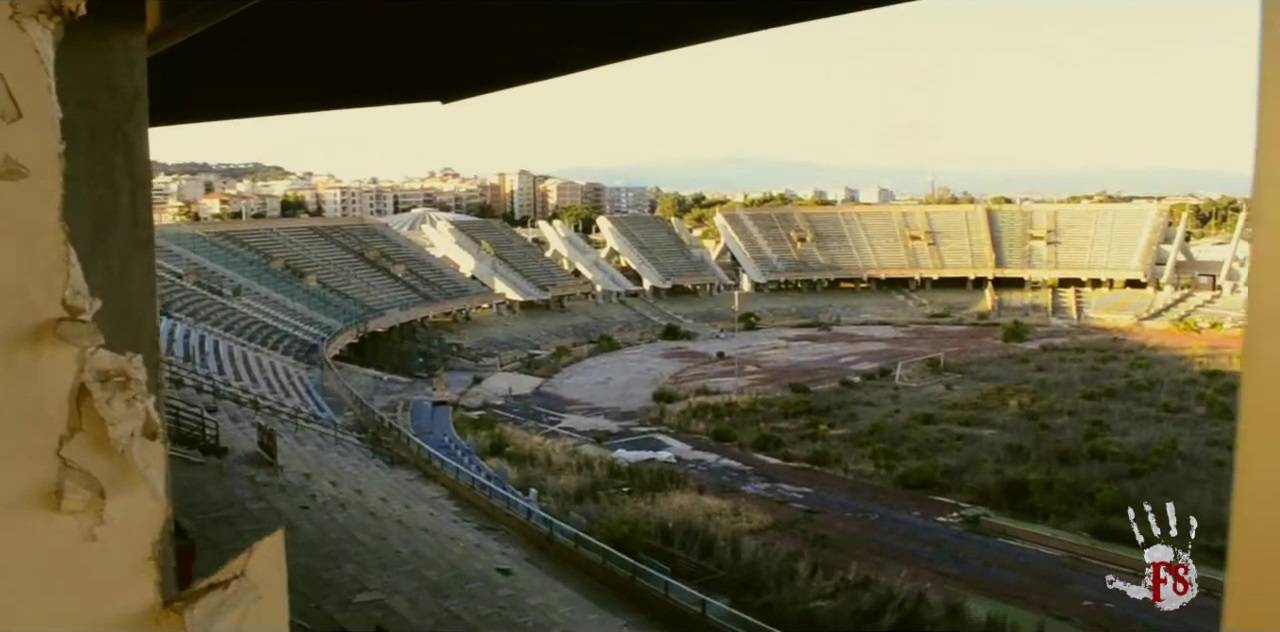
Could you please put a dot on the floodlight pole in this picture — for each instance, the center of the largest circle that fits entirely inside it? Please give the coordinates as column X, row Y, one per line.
column 737, row 376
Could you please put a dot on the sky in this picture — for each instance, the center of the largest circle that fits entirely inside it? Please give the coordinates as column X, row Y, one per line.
column 984, row 95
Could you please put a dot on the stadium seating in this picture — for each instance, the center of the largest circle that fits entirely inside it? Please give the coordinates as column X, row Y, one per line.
column 657, row 252
column 206, row 357
column 179, row 299
column 433, row 424
column 210, row 251
column 520, row 254
column 1083, row 241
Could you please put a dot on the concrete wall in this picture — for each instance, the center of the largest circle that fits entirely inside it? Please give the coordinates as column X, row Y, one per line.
column 84, row 506
column 1252, row 600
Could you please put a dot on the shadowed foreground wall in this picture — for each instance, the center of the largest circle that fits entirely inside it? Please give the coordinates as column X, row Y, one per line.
column 84, row 507
column 1252, row 599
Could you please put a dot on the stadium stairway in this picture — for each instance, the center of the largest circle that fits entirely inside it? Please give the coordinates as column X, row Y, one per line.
column 372, row 545
column 649, row 309
column 432, row 422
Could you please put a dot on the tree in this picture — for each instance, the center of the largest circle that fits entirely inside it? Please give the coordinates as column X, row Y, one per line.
column 671, row 205
column 292, row 205
column 577, row 217
column 1000, row 199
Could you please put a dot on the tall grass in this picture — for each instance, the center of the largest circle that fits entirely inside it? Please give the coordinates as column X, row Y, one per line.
column 658, row 511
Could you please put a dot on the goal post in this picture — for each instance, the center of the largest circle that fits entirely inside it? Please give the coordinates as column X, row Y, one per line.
column 921, row 370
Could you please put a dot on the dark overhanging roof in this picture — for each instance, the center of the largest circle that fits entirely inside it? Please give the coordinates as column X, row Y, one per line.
column 240, row 58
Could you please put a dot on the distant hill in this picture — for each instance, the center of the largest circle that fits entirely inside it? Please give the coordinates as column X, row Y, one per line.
column 251, row 170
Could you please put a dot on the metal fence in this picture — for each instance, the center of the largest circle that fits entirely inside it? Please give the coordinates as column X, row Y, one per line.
column 642, row 576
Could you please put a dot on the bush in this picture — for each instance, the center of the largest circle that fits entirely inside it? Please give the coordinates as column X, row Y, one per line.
column 606, row 343
column 919, row 475
column 666, row 395
column 749, row 321
column 724, row 434
column 767, row 442
column 821, row 457
column 846, row 382
column 1015, row 331
column 719, row 355
column 672, row 331
column 798, row 388
column 923, row 417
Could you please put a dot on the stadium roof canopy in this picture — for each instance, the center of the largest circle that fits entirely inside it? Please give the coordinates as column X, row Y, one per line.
column 240, row 58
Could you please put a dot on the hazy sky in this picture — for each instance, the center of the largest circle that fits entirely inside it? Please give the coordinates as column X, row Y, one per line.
column 933, row 85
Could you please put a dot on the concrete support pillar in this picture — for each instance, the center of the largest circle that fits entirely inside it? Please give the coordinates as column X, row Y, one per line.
column 873, row 283
column 928, row 284
column 1179, row 237
column 968, row 283
column 1224, row 275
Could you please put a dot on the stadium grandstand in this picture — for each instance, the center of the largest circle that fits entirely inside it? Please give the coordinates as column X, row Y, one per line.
column 248, row 310
column 493, row 253
column 574, row 253
column 1036, row 242
column 252, row 313
column 661, row 251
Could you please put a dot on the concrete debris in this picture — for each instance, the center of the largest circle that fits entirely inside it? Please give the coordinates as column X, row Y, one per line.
column 640, row 456
column 82, row 334
column 114, row 388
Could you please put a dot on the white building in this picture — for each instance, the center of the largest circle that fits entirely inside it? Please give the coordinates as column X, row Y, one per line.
column 215, row 206
column 173, row 188
column 628, row 200
column 875, row 195
column 841, row 194
column 595, row 196
column 557, row 193
column 341, row 200
column 519, row 194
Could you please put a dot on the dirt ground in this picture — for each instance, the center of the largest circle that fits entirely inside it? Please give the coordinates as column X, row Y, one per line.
column 767, row 360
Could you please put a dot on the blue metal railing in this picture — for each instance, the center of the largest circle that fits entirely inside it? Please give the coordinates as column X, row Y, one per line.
column 644, row 577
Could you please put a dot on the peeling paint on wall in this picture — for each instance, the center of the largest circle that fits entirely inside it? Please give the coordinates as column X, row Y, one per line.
column 83, row 468
column 11, row 170
column 10, row 111
column 244, row 594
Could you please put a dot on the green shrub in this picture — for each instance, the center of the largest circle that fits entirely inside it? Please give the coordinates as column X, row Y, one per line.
column 1219, row 408
column 606, row 343
column 821, row 457
column 1015, row 331
column 919, row 475
column 666, row 395
column 749, row 321
column 846, row 382
column 724, row 434
column 767, row 442
column 798, row 388
column 923, row 417
column 672, row 331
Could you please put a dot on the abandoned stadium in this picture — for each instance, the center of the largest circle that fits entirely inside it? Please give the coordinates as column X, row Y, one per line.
column 816, row 381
